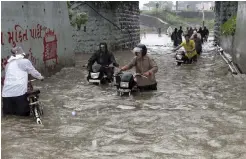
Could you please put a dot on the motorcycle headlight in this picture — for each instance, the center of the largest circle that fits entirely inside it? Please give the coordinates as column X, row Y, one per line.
column 179, row 57
column 95, row 75
column 124, row 84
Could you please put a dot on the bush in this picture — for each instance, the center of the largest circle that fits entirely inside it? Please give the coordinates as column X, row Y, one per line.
column 76, row 19
column 229, row 27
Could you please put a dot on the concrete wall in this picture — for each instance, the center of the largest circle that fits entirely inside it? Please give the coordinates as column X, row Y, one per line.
column 239, row 45
column 224, row 10
column 42, row 29
column 195, row 14
column 234, row 45
column 226, row 42
column 151, row 21
column 123, row 14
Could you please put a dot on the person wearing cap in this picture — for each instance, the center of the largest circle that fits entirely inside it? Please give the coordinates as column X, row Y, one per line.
column 198, row 42
column 14, row 90
column 195, row 33
column 144, row 65
column 104, row 58
column 201, row 32
column 189, row 46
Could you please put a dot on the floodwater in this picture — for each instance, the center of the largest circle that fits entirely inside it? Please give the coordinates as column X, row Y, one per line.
column 198, row 112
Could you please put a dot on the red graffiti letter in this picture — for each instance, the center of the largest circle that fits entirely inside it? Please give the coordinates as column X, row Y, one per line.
column 11, row 39
column 16, row 36
column 20, row 35
column 39, row 29
column 24, row 36
column 32, row 31
column 31, row 58
column 2, row 38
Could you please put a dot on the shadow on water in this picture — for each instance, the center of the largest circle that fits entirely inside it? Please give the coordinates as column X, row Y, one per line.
column 198, row 111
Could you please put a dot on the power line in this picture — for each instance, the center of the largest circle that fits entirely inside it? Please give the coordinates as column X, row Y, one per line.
column 108, row 20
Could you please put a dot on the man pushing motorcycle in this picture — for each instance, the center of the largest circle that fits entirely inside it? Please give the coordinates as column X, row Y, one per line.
column 14, row 93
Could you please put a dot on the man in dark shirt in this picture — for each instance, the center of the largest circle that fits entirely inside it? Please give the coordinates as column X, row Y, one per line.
column 175, row 37
column 180, row 32
column 206, row 33
column 104, row 58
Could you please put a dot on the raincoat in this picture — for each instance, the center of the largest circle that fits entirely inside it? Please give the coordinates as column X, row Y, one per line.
column 143, row 65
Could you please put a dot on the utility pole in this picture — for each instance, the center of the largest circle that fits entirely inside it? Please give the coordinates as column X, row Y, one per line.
column 157, row 6
column 203, row 17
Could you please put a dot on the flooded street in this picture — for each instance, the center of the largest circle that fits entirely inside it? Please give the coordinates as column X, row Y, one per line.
column 198, row 111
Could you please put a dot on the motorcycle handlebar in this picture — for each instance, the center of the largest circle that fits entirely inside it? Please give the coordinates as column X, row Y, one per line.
column 34, row 80
column 138, row 74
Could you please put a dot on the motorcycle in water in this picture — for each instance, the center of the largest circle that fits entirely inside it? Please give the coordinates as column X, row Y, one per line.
column 97, row 76
column 125, row 82
column 182, row 59
column 36, row 107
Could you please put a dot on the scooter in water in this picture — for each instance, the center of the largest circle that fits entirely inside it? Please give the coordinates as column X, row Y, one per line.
column 36, row 107
column 182, row 59
column 97, row 76
column 125, row 83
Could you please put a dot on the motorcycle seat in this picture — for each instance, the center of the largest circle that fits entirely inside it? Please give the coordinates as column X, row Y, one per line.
column 34, row 92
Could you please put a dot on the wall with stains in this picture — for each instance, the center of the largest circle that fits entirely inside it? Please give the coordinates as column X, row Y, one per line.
column 155, row 22
column 234, row 45
column 224, row 10
column 196, row 14
column 239, row 42
column 42, row 29
column 123, row 14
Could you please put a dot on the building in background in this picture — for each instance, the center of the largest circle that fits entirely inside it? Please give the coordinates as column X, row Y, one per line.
column 160, row 5
column 207, row 6
column 195, row 5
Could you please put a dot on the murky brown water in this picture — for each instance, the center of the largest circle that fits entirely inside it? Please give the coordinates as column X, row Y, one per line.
column 199, row 111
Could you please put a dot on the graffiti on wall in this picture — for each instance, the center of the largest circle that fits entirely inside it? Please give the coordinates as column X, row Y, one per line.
column 38, row 32
column 50, row 48
column 19, row 35
column 31, row 57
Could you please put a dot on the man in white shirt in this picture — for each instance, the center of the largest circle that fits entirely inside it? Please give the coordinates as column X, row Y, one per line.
column 15, row 84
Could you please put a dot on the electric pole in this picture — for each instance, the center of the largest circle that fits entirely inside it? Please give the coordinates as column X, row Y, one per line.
column 203, row 17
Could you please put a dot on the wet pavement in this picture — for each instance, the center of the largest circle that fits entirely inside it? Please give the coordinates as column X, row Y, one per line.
column 198, row 112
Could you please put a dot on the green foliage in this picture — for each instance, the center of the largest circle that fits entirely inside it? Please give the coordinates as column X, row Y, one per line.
column 229, row 27
column 76, row 19
column 68, row 5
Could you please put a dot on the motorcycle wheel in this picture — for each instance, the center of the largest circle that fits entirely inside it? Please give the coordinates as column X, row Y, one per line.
column 40, row 109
